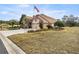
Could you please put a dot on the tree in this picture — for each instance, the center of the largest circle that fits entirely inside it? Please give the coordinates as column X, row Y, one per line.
column 22, row 20
column 59, row 24
column 71, row 23
column 12, row 22
column 25, row 21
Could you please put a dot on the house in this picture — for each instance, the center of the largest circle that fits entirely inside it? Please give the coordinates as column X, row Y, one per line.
column 39, row 21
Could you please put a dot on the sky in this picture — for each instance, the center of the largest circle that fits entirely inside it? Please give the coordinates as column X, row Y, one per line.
column 14, row 11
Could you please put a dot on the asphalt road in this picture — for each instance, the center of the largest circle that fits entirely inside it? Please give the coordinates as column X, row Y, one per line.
column 2, row 48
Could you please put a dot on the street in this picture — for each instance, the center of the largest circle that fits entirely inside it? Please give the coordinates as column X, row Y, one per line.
column 2, row 48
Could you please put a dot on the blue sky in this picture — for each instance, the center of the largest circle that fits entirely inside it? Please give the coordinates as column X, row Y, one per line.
column 14, row 11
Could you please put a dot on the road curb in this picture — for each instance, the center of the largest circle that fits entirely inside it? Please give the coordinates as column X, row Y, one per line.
column 10, row 46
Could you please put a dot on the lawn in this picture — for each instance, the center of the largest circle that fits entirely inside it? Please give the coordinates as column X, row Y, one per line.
column 5, row 26
column 49, row 42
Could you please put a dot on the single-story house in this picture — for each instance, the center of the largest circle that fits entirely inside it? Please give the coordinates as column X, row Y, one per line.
column 39, row 21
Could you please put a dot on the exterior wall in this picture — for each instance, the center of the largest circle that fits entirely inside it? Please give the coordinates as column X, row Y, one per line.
column 35, row 26
column 36, row 23
column 52, row 25
column 45, row 25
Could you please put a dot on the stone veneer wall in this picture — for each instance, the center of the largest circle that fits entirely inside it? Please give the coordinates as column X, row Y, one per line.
column 45, row 25
column 35, row 26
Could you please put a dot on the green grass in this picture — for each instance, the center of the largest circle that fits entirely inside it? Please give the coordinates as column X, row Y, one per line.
column 65, row 41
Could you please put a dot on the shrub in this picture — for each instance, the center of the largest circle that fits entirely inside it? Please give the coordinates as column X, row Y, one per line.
column 59, row 24
column 49, row 27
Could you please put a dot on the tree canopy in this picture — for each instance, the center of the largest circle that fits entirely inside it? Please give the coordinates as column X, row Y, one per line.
column 59, row 23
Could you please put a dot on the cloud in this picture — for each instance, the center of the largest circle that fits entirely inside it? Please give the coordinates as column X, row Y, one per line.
column 54, row 13
column 23, row 5
column 7, row 12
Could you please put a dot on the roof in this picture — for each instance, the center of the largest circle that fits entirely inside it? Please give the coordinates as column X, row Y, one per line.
column 29, row 17
column 45, row 18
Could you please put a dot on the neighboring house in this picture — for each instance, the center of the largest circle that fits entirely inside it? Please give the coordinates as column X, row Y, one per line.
column 39, row 21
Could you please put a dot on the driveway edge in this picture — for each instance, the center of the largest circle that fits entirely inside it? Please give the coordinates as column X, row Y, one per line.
column 10, row 46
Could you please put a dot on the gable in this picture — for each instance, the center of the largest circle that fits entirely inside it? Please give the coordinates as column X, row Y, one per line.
column 44, row 18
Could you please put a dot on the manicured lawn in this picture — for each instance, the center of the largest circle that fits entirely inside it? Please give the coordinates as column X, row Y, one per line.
column 65, row 41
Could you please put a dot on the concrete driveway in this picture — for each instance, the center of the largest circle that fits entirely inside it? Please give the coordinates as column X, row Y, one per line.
column 6, row 45
column 12, row 32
